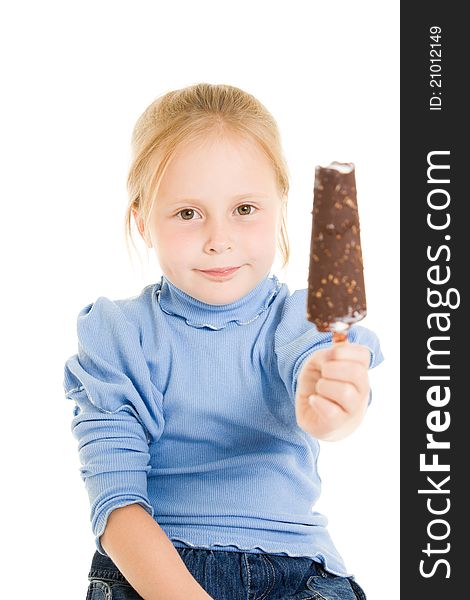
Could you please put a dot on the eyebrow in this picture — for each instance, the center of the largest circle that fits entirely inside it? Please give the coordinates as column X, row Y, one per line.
column 237, row 197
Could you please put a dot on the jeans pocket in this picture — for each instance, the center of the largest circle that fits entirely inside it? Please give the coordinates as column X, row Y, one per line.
column 100, row 589
column 330, row 587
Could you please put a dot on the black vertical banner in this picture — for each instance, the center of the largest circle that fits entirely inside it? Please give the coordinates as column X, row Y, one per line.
column 435, row 251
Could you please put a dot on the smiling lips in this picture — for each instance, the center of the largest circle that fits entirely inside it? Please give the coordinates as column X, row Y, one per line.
column 223, row 272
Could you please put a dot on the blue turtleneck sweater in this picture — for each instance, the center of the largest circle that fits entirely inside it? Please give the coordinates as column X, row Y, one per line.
column 188, row 409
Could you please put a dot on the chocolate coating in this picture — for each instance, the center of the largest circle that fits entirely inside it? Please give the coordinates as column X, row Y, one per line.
column 336, row 293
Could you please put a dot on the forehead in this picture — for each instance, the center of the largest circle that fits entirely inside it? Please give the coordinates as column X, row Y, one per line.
column 218, row 162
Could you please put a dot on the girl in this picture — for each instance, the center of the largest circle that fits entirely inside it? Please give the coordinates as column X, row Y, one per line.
column 199, row 403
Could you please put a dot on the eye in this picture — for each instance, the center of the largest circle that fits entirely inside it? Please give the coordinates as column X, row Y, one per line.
column 187, row 214
column 245, row 209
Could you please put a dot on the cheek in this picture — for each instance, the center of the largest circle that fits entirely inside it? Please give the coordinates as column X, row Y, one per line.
column 262, row 239
column 171, row 239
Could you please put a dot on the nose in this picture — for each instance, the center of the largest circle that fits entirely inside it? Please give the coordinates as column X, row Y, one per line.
column 218, row 238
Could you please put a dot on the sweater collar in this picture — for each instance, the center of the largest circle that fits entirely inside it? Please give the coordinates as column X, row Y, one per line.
column 246, row 309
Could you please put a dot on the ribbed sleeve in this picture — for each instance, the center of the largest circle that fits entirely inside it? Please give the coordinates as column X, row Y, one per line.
column 296, row 338
column 117, row 411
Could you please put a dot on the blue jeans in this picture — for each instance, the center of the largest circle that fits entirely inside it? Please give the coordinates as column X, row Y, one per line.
column 240, row 575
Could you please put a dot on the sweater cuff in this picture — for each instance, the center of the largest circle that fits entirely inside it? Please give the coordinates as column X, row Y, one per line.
column 103, row 519
column 112, row 490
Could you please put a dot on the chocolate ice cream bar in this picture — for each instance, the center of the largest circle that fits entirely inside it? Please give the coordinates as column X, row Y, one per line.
column 336, row 294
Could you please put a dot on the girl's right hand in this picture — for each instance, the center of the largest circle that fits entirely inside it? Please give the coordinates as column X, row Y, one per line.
column 333, row 391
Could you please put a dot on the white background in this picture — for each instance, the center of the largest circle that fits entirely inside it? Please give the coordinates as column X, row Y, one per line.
column 76, row 77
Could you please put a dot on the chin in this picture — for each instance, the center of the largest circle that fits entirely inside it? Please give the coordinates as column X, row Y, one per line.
column 223, row 296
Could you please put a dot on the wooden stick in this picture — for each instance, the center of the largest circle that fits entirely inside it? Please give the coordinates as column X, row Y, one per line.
column 339, row 336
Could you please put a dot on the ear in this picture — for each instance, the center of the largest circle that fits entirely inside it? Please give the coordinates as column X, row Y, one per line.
column 139, row 221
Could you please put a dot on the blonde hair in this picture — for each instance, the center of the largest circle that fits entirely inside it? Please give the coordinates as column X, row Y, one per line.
column 188, row 114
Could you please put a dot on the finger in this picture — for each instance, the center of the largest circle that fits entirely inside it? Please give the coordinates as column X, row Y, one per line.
column 343, row 394
column 347, row 371
column 328, row 414
column 348, row 351
column 314, row 361
column 306, row 384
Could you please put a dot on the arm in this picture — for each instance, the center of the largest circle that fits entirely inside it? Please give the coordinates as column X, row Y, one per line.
column 117, row 412
column 146, row 557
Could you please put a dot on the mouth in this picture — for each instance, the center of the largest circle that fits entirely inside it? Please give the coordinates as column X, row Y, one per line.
column 221, row 272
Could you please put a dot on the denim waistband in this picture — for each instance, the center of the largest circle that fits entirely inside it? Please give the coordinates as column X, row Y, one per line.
column 237, row 575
